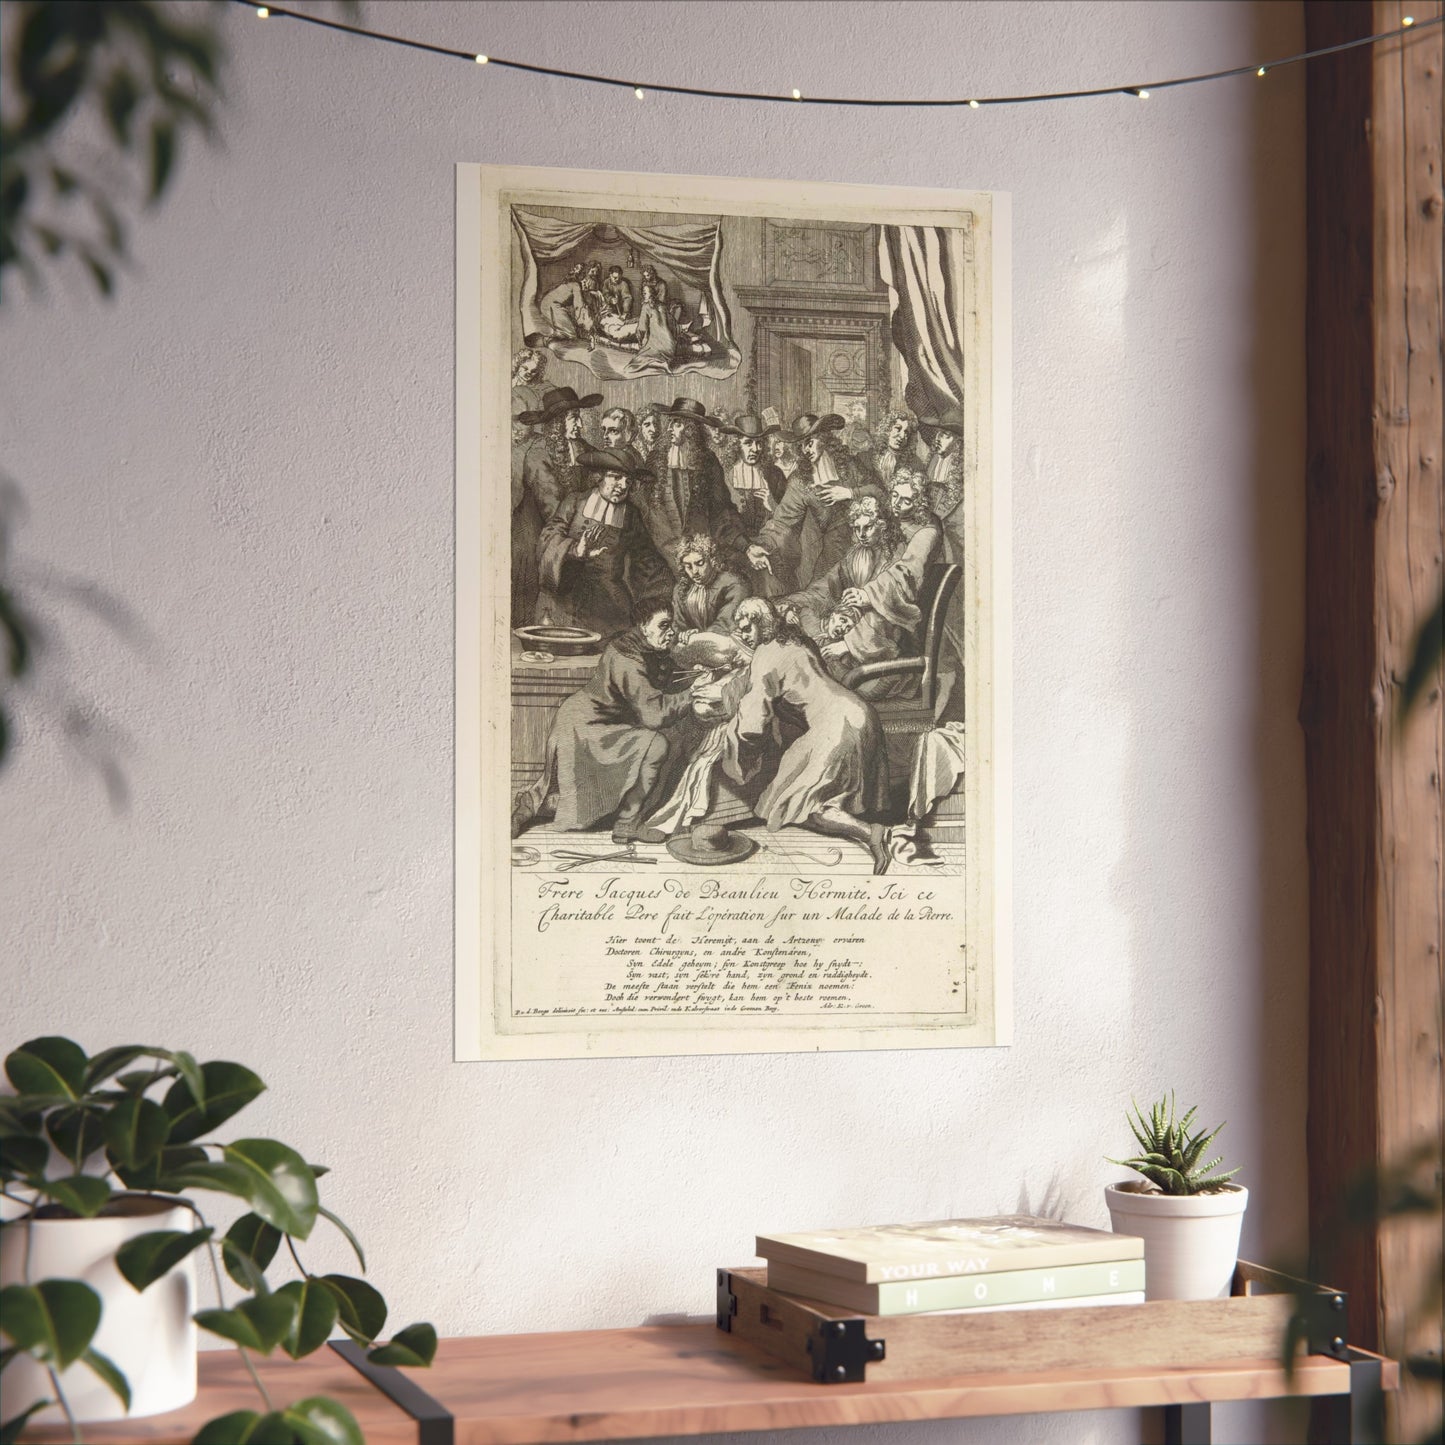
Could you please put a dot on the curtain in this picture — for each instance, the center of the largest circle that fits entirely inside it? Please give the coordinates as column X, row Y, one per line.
column 923, row 297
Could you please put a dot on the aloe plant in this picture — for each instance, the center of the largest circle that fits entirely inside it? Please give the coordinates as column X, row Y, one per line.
column 1171, row 1154
column 81, row 1131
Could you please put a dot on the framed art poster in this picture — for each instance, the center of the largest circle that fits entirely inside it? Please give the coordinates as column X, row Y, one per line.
column 732, row 644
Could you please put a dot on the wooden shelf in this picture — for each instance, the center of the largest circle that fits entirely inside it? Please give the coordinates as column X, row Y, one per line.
column 690, row 1380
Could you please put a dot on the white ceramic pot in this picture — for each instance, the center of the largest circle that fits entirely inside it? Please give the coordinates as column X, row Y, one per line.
column 1191, row 1241
column 149, row 1336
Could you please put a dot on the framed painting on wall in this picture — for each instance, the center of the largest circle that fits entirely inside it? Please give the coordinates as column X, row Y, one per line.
column 732, row 645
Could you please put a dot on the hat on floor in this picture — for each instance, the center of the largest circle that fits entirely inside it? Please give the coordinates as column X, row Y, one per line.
column 709, row 844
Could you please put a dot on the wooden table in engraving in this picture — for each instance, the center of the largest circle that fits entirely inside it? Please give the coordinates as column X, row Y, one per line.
column 694, row 1379
column 538, row 690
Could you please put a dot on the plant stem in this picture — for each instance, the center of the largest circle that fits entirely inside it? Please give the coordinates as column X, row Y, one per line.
column 64, row 1404
column 221, row 1301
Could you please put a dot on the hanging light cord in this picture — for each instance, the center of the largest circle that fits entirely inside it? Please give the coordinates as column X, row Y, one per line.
column 641, row 87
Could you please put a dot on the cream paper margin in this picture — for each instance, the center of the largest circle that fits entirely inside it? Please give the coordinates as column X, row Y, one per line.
column 483, row 870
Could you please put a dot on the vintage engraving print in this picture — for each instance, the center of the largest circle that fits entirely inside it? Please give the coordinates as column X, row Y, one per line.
column 732, row 644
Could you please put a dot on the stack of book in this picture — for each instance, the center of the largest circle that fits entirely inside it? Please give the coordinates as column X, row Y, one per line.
column 1012, row 1261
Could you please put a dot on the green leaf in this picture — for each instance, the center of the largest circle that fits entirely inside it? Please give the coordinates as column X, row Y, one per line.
column 227, row 1089
column 83, row 1194
column 248, row 1248
column 11, row 1430
column 55, row 1320
column 316, row 1311
column 259, row 1323
column 106, row 1368
column 111, row 1061
column 104, row 282
column 136, row 1130
column 245, row 1427
column 49, row 1065
column 282, row 1186
column 77, row 1131
column 319, row 1421
column 362, row 1310
column 156, row 1174
column 149, row 1257
column 415, row 1345
column 21, row 1157
column 351, row 1239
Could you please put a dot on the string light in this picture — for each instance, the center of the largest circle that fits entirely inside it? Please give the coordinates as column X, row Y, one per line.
column 556, row 72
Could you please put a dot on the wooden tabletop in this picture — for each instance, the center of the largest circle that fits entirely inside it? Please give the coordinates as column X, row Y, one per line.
column 686, row 1380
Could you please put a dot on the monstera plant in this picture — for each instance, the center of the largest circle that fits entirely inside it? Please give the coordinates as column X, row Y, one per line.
column 126, row 1138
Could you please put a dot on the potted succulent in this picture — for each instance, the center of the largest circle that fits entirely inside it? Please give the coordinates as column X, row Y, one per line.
column 101, row 1160
column 1186, row 1211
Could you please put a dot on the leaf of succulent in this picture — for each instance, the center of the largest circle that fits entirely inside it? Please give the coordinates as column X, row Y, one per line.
column 282, row 1186
column 351, row 1239
column 316, row 1311
column 259, row 1323
column 82, row 1194
column 227, row 1089
column 415, row 1345
column 360, row 1309
column 49, row 1065
column 149, row 1257
column 1170, row 1153
column 136, row 1130
column 107, row 1370
column 248, row 1248
column 54, row 1320
column 319, row 1421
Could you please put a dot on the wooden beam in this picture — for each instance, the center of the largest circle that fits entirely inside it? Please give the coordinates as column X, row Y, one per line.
column 1374, row 544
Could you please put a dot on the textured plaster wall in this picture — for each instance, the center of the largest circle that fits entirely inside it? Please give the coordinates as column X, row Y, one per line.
column 251, row 449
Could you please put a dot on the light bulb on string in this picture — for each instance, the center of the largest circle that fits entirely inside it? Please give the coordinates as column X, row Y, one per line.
column 1407, row 22
column 797, row 95
column 973, row 105
column 637, row 91
column 262, row 12
column 1262, row 72
column 1142, row 94
column 482, row 59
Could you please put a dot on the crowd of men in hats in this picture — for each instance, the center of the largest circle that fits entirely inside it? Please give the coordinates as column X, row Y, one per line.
column 806, row 552
column 648, row 509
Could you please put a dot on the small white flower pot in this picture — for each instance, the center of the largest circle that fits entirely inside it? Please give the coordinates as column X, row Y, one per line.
column 1191, row 1241
column 149, row 1336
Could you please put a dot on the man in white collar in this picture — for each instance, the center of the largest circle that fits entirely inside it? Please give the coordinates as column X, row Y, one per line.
column 594, row 557
column 756, row 485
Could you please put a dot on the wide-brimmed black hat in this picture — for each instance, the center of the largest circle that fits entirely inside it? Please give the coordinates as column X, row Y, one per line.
column 558, row 402
column 684, row 408
column 951, row 421
column 809, row 425
column 709, row 844
column 747, row 425
column 608, row 459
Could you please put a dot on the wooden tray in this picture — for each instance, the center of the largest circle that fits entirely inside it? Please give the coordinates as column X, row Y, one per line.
column 839, row 1346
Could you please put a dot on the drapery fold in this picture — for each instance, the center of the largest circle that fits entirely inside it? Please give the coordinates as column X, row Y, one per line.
column 689, row 251
column 917, row 266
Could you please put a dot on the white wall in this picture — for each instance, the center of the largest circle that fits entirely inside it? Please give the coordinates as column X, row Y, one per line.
column 252, row 449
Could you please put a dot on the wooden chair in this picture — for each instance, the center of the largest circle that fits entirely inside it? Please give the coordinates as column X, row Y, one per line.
column 912, row 711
